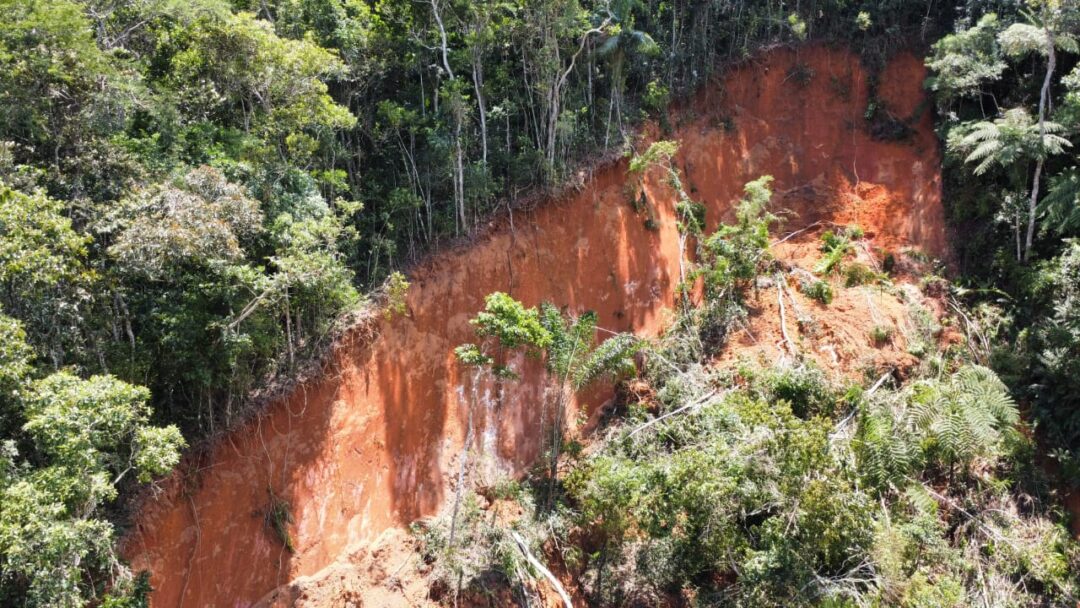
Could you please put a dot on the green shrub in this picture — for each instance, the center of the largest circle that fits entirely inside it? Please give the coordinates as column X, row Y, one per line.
column 820, row 291
column 881, row 334
column 856, row 274
column 888, row 263
column 835, row 247
column 805, row 388
column 397, row 288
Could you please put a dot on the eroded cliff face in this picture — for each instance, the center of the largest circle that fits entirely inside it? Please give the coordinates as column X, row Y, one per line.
column 370, row 446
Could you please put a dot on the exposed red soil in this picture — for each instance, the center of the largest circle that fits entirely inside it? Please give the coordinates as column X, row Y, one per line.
column 369, row 447
column 835, row 336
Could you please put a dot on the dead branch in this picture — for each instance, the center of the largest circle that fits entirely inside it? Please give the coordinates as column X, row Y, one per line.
column 783, row 322
column 542, row 568
column 873, row 389
column 682, row 409
column 797, row 232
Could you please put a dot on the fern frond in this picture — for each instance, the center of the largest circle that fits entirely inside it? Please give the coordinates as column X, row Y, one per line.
column 1062, row 203
column 920, row 499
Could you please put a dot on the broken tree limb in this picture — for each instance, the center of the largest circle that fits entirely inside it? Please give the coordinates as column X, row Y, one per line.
column 250, row 308
column 676, row 412
column 797, row 232
column 794, row 305
column 783, row 322
column 746, row 328
column 542, row 569
column 873, row 389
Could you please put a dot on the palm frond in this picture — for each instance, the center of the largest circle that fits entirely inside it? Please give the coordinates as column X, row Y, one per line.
column 614, row 357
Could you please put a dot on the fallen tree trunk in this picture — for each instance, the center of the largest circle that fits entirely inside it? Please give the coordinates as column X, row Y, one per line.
column 542, row 568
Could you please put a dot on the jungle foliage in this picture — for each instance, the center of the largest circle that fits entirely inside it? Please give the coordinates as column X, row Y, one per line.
column 1005, row 82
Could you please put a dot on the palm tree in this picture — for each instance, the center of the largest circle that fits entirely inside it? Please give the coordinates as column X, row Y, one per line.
column 575, row 360
column 568, row 343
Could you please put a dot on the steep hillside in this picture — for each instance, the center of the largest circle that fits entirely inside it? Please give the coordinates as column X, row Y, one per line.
column 369, row 447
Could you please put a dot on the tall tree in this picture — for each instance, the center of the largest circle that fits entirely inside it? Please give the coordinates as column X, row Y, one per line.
column 1042, row 37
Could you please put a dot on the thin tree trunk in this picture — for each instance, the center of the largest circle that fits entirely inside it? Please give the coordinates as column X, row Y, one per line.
column 1043, row 98
column 1016, row 229
column 463, row 462
column 459, row 187
column 288, row 329
column 540, row 567
column 478, row 85
column 456, row 110
column 1033, row 210
column 556, row 92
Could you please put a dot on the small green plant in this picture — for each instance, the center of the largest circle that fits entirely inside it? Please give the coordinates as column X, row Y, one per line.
column 798, row 27
column 659, row 153
column 397, row 287
column 507, row 488
column 926, row 329
column 805, row 388
column 888, row 264
column 279, row 518
column 820, row 291
column 918, row 255
column 863, row 21
column 881, row 335
column 657, row 97
column 840, row 87
column 690, row 215
column 934, row 284
column 836, row 246
column 801, row 74
column 857, row 273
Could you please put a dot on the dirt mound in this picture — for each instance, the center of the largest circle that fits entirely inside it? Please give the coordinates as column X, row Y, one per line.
column 368, row 448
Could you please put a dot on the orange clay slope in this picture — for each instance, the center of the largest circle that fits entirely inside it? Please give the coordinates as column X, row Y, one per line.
column 371, row 445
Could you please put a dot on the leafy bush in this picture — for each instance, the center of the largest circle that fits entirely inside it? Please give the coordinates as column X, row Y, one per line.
column 741, row 499
column 881, row 334
column 835, row 246
column 820, row 291
column 804, row 387
column 700, row 488
column 278, row 518
column 732, row 258
column 856, row 274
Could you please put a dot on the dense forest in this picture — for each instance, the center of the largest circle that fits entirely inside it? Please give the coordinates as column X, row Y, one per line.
column 196, row 196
